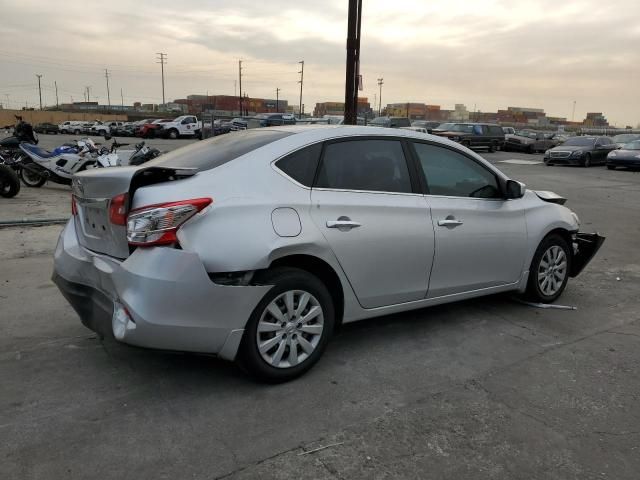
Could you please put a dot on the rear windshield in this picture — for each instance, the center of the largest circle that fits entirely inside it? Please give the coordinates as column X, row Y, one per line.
column 216, row 151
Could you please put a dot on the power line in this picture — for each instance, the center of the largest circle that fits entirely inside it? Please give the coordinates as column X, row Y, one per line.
column 163, row 59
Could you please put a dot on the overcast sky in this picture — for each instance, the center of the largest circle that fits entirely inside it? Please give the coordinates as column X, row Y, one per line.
column 489, row 53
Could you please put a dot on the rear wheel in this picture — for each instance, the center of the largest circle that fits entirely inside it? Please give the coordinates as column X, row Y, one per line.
column 550, row 269
column 77, row 132
column 9, row 182
column 290, row 328
column 32, row 178
column 586, row 163
column 173, row 134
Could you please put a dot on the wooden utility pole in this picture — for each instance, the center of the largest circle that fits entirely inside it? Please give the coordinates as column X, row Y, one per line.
column 39, row 89
column 353, row 60
column 301, row 81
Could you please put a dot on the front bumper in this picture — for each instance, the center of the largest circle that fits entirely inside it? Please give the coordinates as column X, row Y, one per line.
column 564, row 161
column 171, row 302
column 586, row 245
column 624, row 162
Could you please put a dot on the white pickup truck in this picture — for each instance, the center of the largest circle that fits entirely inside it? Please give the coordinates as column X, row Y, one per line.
column 183, row 126
column 71, row 126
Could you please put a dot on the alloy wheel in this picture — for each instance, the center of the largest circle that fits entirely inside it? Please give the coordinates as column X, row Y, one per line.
column 290, row 329
column 552, row 270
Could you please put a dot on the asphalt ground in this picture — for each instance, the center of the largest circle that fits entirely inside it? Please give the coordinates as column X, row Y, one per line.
column 487, row 388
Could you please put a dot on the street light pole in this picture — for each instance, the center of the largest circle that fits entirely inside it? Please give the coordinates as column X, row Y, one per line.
column 380, row 83
column 301, row 81
column 277, row 100
column 39, row 89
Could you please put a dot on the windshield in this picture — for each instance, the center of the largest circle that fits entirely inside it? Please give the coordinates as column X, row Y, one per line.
column 462, row 128
column 625, row 138
column 580, row 142
column 527, row 134
column 218, row 150
column 635, row 145
column 444, row 126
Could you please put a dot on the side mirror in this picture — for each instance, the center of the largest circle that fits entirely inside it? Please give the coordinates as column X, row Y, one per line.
column 515, row 189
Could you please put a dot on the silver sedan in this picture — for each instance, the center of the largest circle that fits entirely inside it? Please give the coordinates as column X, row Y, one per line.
column 256, row 245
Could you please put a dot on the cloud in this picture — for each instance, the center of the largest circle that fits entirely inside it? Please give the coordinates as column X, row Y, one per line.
column 493, row 53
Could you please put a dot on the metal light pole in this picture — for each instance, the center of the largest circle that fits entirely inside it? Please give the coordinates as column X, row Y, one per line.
column 163, row 60
column 39, row 89
column 106, row 75
column 353, row 59
column 277, row 100
column 55, row 83
column 380, row 83
column 301, row 81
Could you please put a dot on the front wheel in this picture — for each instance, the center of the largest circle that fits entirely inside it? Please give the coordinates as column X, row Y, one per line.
column 173, row 134
column 586, row 163
column 550, row 269
column 290, row 328
column 32, row 178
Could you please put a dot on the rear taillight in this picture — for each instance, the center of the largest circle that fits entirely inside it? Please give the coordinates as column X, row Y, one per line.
column 158, row 224
column 118, row 209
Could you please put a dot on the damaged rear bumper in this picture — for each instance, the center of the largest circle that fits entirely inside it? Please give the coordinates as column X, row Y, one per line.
column 586, row 245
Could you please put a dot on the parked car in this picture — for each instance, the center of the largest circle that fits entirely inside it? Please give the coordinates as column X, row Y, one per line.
column 238, row 124
column 390, row 122
column 443, row 127
column 275, row 119
column 416, row 129
column 530, row 142
column 509, row 130
column 625, row 138
column 219, row 128
column 47, row 128
column 628, row 156
column 70, row 126
column 584, row 151
column 426, row 124
column 475, row 135
column 149, row 129
column 215, row 247
column 105, row 128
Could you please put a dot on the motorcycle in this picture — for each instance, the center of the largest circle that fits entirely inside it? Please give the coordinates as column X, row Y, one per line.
column 39, row 165
column 114, row 158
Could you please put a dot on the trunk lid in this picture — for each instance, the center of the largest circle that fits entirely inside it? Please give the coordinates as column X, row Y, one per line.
column 94, row 190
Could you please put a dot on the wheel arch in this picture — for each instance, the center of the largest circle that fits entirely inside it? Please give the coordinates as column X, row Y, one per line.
column 323, row 271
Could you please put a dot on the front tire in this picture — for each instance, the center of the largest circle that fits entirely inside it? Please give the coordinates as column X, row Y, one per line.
column 290, row 327
column 549, row 270
column 586, row 163
column 173, row 134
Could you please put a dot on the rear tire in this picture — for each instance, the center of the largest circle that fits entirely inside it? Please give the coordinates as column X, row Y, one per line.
column 586, row 163
column 173, row 134
column 77, row 132
column 9, row 182
column 549, row 270
column 31, row 178
column 291, row 345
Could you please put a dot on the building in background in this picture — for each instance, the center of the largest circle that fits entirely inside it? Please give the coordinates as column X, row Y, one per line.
column 229, row 105
column 337, row 108
column 595, row 119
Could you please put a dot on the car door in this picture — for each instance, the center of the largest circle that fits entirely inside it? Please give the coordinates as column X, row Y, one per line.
column 372, row 214
column 480, row 237
column 604, row 145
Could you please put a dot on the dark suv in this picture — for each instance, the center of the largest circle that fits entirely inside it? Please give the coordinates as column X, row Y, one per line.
column 275, row 119
column 475, row 135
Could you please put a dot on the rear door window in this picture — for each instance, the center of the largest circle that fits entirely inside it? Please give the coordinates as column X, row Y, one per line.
column 369, row 165
column 219, row 150
column 301, row 165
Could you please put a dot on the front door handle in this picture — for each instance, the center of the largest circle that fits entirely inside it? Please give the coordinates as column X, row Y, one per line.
column 346, row 224
column 449, row 222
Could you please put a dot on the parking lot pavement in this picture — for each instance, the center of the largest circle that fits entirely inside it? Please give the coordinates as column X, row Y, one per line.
column 487, row 388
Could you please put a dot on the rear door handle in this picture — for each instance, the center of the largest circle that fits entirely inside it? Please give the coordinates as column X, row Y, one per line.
column 449, row 222
column 342, row 224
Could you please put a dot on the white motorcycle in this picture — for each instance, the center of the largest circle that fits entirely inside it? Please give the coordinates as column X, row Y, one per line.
column 38, row 165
